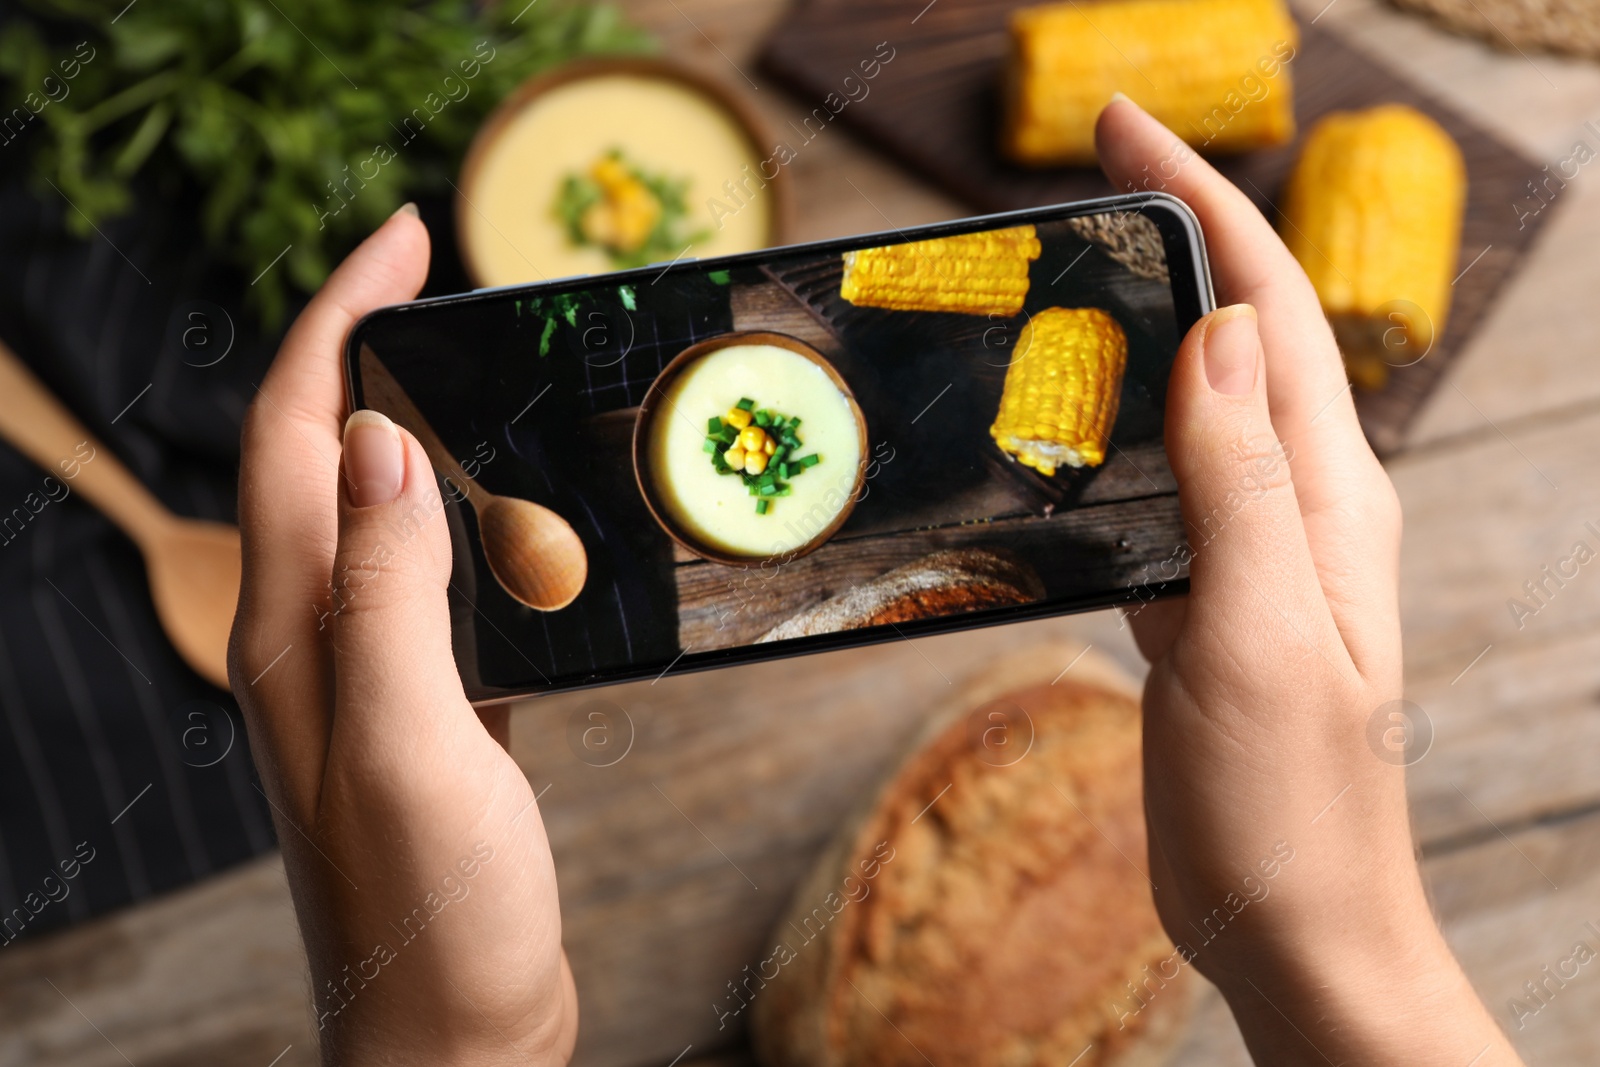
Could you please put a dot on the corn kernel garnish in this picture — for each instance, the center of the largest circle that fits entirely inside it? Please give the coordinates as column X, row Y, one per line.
column 631, row 214
column 760, row 446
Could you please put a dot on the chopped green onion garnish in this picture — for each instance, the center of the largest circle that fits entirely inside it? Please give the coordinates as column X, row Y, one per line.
column 781, row 461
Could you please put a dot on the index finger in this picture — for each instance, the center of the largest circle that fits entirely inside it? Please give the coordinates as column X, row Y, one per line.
column 1251, row 264
column 1345, row 499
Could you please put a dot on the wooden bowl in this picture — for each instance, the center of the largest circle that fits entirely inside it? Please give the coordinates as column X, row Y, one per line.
column 760, row 144
column 646, row 418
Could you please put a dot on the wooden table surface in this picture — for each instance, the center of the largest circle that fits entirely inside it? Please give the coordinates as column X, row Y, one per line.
column 675, row 861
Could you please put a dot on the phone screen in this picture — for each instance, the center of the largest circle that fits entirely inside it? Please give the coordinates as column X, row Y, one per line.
column 801, row 449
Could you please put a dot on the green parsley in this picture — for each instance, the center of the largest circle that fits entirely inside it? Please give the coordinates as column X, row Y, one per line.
column 302, row 124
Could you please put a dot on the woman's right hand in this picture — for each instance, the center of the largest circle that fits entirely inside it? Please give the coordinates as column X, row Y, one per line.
column 1280, row 845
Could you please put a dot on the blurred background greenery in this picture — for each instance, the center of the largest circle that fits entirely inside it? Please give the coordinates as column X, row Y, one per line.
column 298, row 123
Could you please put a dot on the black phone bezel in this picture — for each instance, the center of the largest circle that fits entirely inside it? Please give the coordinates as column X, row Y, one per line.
column 1192, row 297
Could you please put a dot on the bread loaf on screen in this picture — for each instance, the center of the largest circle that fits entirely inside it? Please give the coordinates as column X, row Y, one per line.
column 944, row 583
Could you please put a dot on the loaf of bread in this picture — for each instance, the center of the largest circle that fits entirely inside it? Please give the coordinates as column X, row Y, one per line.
column 945, row 583
column 990, row 905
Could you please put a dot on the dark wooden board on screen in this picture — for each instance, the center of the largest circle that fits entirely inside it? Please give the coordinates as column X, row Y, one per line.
column 1098, row 530
column 934, row 107
column 1096, row 548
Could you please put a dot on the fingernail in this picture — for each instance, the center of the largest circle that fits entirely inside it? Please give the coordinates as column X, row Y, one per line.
column 409, row 208
column 374, row 460
column 1231, row 342
column 1119, row 95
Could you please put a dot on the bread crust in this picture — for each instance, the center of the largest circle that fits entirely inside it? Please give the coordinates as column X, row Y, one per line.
column 1013, row 907
column 944, row 583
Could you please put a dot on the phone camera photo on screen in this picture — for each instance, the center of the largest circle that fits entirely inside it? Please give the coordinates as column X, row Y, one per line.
column 702, row 463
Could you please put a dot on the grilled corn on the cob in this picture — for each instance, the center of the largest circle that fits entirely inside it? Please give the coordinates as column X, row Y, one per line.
column 1062, row 389
column 1212, row 70
column 975, row 273
column 1373, row 213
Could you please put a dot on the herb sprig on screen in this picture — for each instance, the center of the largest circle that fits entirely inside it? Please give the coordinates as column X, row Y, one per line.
column 303, row 123
column 557, row 308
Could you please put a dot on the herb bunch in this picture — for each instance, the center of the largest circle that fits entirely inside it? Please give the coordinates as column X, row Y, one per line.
column 303, row 124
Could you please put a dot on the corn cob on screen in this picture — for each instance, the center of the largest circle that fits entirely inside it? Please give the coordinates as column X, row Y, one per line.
column 824, row 445
column 980, row 273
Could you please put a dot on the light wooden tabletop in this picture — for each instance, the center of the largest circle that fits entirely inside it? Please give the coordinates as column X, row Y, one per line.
column 675, row 861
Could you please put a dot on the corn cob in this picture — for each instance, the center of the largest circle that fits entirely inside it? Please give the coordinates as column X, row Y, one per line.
column 1373, row 213
column 974, row 273
column 1214, row 71
column 1061, row 393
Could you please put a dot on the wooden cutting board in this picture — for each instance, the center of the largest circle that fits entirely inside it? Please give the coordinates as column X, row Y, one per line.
column 934, row 107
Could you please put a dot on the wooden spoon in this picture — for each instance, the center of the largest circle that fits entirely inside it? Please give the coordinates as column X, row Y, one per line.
column 534, row 553
column 193, row 564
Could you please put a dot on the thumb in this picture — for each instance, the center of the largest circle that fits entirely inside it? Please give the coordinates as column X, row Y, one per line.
column 391, row 620
column 1239, row 507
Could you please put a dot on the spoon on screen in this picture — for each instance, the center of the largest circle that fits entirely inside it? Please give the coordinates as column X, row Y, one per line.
column 193, row 564
column 534, row 553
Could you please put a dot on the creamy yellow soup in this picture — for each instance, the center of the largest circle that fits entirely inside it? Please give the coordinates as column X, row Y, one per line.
column 662, row 125
column 716, row 509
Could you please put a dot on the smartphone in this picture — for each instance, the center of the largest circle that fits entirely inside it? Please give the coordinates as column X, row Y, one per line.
column 703, row 463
